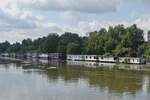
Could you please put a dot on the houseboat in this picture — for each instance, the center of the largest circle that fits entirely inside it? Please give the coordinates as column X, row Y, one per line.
column 43, row 56
column 4, row 55
column 131, row 60
column 18, row 55
column 57, row 56
column 28, row 55
column 75, row 57
column 35, row 55
column 92, row 58
column 82, row 57
column 13, row 55
column 107, row 59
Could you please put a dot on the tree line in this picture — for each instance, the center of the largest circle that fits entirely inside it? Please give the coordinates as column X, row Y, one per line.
column 116, row 41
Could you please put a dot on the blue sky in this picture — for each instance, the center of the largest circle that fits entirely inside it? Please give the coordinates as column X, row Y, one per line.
column 21, row 19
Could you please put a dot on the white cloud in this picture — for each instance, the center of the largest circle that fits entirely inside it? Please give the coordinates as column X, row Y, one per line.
column 17, row 23
column 86, row 6
column 87, row 26
column 70, row 16
column 18, row 19
column 144, row 22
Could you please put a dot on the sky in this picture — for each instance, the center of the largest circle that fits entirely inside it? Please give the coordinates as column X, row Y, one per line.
column 20, row 19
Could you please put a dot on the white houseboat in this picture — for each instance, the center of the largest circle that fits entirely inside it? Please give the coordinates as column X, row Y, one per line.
column 131, row 60
column 13, row 55
column 82, row 57
column 91, row 58
column 4, row 54
column 32, row 55
column 29, row 55
column 35, row 55
column 107, row 59
column 75, row 57
column 57, row 56
column 43, row 56
column 18, row 55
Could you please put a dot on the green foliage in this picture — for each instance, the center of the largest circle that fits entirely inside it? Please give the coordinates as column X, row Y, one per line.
column 50, row 43
column 95, row 43
column 118, row 41
column 121, row 51
column 66, row 39
column 73, row 48
column 4, row 46
column 14, row 48
column 61, row 49
column 27, row 45
column 147, row 51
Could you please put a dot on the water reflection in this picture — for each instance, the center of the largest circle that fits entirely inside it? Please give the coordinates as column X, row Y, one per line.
column 73, row 81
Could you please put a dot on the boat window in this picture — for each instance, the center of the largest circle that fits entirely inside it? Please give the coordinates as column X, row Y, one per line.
column 115, row 58
column 133, row 60
column 95, row 57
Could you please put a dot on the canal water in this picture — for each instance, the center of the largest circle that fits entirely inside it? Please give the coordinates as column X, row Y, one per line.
column 33, row 80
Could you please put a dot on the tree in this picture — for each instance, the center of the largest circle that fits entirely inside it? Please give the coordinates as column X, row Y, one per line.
column 95, row 43
column 147, row 51
column 66, row 39
column 121, row 51
column 4, row 46
column 73, row 48
column 61, row 49
column 50, row 43
column 110, row 45
column 134, row 38
column 27, row 45
column 14, row 48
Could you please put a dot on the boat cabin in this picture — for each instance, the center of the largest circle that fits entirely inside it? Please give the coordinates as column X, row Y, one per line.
column 43, row 56
column 132, row 60
column 57, row 56
column 107, row 59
